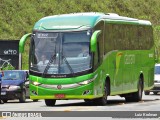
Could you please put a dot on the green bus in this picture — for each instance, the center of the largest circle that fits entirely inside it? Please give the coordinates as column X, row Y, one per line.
column 90, row 56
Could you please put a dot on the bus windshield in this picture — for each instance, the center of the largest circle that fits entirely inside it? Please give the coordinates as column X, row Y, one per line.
column 60, row 53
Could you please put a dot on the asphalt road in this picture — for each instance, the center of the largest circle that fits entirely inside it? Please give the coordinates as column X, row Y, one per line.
column 115, row 103
column 149, row 103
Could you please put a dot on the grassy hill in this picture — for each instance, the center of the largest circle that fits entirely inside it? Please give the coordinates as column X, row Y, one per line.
column 18, row 17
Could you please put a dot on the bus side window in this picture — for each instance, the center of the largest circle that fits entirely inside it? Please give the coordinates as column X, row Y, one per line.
column 100, row 40
column 96, row 57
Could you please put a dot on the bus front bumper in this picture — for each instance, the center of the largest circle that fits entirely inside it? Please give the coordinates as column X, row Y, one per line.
column 66, row 97
column 81, row 92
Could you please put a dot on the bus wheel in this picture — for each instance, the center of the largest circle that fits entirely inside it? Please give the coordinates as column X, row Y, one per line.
column 103, row 100
column 87, row 100
column 50, row 102
column 137, row 96
column 35, row 100
column 146, row 92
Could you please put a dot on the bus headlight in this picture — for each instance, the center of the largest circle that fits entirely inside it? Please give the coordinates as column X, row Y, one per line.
column 36, row 83
column 87, row 81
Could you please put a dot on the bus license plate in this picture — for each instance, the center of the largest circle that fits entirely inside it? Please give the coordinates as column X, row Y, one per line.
column 60, row 96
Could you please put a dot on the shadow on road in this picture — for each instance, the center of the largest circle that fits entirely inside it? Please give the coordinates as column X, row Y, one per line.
column 17, row 101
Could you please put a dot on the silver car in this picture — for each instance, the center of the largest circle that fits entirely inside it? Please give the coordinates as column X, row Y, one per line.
column 156, row 87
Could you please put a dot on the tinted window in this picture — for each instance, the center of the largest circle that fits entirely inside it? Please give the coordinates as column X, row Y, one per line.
column 157, row 70
column 13, row 75
column 127, row 37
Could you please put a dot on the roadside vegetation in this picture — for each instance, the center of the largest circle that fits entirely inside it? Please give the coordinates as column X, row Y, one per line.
column 17, row 17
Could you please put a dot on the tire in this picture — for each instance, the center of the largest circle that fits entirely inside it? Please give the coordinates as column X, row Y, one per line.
column 36, row 100
column 88, row 100
column 50, row 102
column 146, row 92
column 103, row 100
column 1, row 102
column 137, row 96
column 22, row 98
column 155, row 93
column 5, row 101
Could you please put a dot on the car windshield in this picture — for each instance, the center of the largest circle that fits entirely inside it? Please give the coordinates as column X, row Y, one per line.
column 60, row 53
column 157, row 70
column 12, row 75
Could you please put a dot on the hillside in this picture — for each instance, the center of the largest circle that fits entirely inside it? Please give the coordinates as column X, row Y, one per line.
column 18, row 17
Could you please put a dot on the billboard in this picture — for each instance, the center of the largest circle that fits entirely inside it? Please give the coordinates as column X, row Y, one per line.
column 9, row 54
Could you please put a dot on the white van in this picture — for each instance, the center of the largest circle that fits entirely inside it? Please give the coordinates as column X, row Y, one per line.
column 156, row 88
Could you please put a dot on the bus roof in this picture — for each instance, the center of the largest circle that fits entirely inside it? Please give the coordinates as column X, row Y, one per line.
column 82, row 21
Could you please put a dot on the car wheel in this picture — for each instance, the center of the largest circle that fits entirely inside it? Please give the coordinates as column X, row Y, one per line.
column 5, row 101
column 1, row 102
column 22, row 98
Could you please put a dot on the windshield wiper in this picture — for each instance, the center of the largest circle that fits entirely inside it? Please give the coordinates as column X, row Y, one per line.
column 48, row 64
column 69, row 66
column 50, row 61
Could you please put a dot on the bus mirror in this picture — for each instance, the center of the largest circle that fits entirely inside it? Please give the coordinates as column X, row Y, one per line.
column 22, row 42
column 93, row 43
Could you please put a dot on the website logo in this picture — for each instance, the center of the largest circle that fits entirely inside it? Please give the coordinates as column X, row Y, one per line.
column 6, row 114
